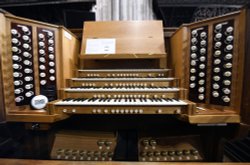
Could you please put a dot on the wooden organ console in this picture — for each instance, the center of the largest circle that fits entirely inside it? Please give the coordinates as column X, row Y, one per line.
column 123, row 91
column 45, row 78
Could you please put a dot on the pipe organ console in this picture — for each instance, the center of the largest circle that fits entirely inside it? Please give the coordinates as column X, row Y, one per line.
column 91, row 146
column 122, row 91
column 208, row 57
column 32, row 53
column 169, row 148
column 44, row 79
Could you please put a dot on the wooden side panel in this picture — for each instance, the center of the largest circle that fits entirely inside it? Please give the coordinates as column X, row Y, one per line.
column 245, row 109
column 2, row 46
column 69, row 51
column 177, row 60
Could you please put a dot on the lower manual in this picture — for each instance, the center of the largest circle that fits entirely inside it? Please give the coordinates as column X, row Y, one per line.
column 121, row 106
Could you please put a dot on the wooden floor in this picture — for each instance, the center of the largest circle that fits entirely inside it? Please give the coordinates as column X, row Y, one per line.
column 53, row 162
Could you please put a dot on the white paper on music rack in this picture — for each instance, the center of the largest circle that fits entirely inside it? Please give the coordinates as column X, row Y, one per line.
column 100, row 46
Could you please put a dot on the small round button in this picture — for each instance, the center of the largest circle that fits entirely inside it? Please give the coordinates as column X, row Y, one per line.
column 215, row 94
column 201, row 82
column 228, row 65
column 16, row 66
column 229, row 38
column 26, row 38
column 201, row 97
column 216, row 86
column 26, row 46
column 28, row 86
column 217, row 53
column 194, row 32
column 51, row 49
column 51, row 56
column 17, row 74
column 203, row 43
column 226, row 91
column 193, row 48
column 229, row 47
column 51, row 64
column 15, row 41
column 216, row 70
column 50, row 34
column 193, row 62
column 51, row 41
column 201, row 74
column 52, row 71
column 217, row 44
column 203, row 34
column 27, row 70
column 41, row 36
column 27, row 62
column 226, row 99
column 52, row 78
column 14, row 32
column 217, row 61
column 27, row 54
column 218, row 26
column 25, row 29
column 42, row 67
column 192, row 78
column 229, row 29
column 216, row 78
column 218, row 35
column 41, row 44
column 202, row 58
column 18, row 91
column 43, row 82
column 227, row 74
column 18, row 82
column 227, row 82
column 201, row 89
column 28, row 78
column 42, row 59
column 202, row 66
column 203, row 51
column 193, row 55
column 19, row 99
column 228, row 56
column 16, row 58
column 42, row 74
column 41, row 51
column 192, row 70
column 15, row 49
column 29, row 94
column 194, row 40
column 192, row 85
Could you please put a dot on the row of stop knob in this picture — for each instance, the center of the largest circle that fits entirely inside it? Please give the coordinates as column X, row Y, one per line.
column 22, row 58
column 222, row 62
column 120, row 84
column 118, row 111
column 121, row 96
column 85, row 153
column 169, row 153
column 46, row 55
